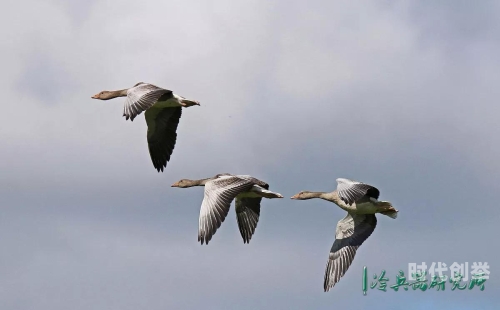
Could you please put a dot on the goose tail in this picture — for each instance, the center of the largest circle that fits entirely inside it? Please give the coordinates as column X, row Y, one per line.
column 388, row 209
column 265, row 193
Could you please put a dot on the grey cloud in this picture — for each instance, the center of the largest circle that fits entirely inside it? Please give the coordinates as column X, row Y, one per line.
column 79, row 10
column 294, row 94
column 456, row 24
column 45, row 78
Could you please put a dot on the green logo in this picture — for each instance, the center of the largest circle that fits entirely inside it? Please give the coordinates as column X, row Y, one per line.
column 420, row 282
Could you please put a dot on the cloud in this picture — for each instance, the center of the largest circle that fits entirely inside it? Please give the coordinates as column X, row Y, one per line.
column 44, row 78
column 401, row 96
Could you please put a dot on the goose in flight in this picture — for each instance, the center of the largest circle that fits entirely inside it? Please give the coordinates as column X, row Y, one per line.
column 360, row 202
column 163, row 111
column 220, row 191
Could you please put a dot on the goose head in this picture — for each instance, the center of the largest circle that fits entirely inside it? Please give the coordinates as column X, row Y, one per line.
column 110, row 94
column 184, row 183
column 104, row 95
column 304, row 195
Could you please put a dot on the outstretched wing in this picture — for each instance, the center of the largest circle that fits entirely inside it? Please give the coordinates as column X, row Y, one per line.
column 162, row 134
column 351, row 191
column 247, row 215
column 248, row 211
column 351, row 232
column 218, row 196
column 142, row 97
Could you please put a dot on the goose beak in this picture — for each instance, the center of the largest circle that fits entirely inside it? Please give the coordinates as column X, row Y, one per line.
column 295, row 196
column 96, row 96
column 176, row 184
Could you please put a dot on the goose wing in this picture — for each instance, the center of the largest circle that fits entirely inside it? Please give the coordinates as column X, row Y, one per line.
column 218, row 196
column 142, row 97
column 351, row 191
column 162, row 134
column 247, row 213
column 351, row 232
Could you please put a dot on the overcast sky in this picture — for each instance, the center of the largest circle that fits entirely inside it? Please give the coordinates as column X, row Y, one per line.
column 401, row 96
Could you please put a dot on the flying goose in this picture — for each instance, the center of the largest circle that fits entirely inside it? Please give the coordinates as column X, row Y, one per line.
column 220, row 191
column 360, row 202
column 163, row 111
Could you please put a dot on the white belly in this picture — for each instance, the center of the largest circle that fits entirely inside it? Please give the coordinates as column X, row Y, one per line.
column 359, row 208
column 170, row 103
column 366, row 208
column 250, row 194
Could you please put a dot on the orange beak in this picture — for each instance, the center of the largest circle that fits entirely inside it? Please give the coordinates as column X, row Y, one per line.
column 96, row 96
column 176, row 184
column 295, row 196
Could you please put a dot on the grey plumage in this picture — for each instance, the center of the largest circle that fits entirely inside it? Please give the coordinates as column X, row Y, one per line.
column 219, row 192
column 351, row 191
column 163, row 112
column 247, row 215
column 142, row 97
column 162, row 134
column 360, row 201
column 351, row 232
